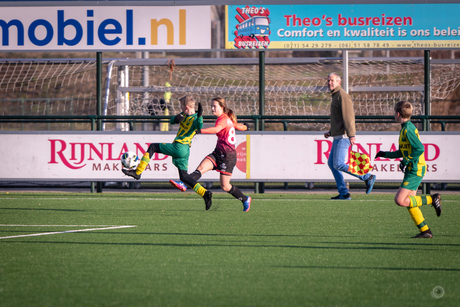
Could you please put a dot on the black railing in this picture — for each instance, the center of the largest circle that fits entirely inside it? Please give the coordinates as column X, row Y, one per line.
column 255, row 119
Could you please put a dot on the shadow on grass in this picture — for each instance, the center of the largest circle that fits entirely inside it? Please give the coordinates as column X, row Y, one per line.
column 417, row 242
column 41, row 209
column 364, row 268
column 369, row 246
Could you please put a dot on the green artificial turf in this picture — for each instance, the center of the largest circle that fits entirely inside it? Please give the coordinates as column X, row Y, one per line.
column 288, row 250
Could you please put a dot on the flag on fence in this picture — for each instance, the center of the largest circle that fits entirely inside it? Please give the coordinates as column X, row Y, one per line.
column 359, row 163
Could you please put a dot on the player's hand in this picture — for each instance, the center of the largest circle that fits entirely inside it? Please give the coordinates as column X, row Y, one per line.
column 179, row 117
column 200, row 110
column 402, row 166
column 247, row 126
column 380, row 154
column 198, row 131
column 327, row 134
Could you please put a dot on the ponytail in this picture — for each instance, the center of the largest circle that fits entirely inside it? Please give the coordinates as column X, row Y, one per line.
column 231, row 115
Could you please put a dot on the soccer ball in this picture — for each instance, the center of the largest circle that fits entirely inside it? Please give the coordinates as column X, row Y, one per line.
column 130, row 160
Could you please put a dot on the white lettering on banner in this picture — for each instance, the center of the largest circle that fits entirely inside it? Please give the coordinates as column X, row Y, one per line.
column 51, row 28
column 296, row 157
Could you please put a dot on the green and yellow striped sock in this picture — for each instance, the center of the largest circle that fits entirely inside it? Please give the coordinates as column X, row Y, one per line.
column 417, row 201
column 143, row 164
column 198, row 188
column 417, row 217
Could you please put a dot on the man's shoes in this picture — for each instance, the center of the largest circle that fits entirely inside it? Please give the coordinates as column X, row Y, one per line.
column 247, row 204
column 131, row 173
column 427, row 234
column 436, row 203
column 179, row 184
column 342, row 197
column 208, row 199
column 370, row 183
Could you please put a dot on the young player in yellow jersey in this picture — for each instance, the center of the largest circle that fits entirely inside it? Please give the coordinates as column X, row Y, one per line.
column 413, row 166
column 179, row 150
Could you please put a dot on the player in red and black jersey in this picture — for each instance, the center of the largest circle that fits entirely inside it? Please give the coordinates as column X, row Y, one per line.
column 223, row 158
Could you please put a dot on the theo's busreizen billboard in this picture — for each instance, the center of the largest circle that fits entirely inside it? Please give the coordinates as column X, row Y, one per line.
column 104, row 28
column 343, row 26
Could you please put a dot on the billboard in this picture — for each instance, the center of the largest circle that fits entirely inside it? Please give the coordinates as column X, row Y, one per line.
column 297, row 156
column 108, row 28
column 343, row 26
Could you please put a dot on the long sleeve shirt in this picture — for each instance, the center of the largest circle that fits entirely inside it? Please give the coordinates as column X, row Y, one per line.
column 410, row 149
column 342, row 114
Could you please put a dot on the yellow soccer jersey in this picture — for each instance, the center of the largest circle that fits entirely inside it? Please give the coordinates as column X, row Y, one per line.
column 410, row 149
column 187, row 129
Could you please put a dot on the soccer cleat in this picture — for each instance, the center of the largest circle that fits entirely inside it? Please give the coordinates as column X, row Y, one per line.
column 427, row 234
column 342, row 197
column 370, row 183
column 436, row 203
column 179, row 184
column 247, row 204
column 131, row 173
column 207, row 199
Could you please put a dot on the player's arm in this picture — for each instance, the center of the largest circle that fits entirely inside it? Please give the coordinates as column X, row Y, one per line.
column 417, row 147
column 199, row 123
column 176, row 119
column 393, row 154
column 389, row 154
column 241, row 127
column 213, row 130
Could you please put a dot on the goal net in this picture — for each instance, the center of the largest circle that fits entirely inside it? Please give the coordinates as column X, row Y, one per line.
column 41, row 87
column 293, row 86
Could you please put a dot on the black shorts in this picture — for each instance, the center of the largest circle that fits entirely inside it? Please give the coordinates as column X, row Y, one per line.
column 224, row 161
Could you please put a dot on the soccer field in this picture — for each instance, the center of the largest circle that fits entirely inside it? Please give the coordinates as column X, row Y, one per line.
column 153, row 249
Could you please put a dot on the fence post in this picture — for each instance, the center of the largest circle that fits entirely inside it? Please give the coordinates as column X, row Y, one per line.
column 99, row 102
column 345, row 70
column 99, row 90
column 427, row 69
column 426, row 122
column 262, row 88
column 259, row 187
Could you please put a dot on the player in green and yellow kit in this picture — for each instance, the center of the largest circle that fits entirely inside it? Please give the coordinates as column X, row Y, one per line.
column 179, row 150
column 413, row 166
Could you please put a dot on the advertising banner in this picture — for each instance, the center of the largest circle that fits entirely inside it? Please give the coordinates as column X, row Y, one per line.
column 303, row 156
column 105, row 28
column 268, row 156
column 96, row 156
column 343, row 26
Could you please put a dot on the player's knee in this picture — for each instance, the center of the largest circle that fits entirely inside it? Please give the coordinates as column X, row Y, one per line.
column 399, row 201
column 226, row 187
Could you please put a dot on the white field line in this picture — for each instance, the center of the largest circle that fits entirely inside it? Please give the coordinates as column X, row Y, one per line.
column 19, row 225
column 58, row 232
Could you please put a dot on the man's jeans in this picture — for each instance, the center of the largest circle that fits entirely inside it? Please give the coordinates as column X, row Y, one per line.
column 336, row 162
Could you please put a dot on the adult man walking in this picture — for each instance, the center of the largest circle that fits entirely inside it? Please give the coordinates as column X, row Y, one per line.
column 343, row 131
